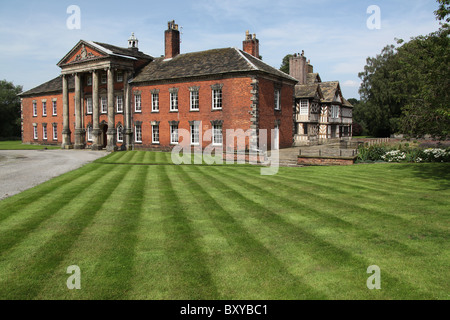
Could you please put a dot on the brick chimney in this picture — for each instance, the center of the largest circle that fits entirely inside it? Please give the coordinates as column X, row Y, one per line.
column 251, row 44
column 172, row 40
column 310, row 67
column 298, row 67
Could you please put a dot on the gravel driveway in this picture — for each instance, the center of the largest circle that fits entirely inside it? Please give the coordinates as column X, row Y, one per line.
column 24, row 169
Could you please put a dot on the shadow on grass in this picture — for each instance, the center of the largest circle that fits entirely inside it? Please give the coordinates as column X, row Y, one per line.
column 440, row 172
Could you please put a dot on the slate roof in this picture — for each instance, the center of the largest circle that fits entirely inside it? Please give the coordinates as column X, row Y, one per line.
column 306, row 90
column 346, row 103
column 113, row 50
column 312, row 78
column 52, row 86
column 329, row 89
column 206, row 63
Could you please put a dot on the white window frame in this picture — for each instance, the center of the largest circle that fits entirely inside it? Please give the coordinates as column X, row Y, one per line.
column 216, row 96
column 174, row 138
column 195, row 134
column 174, row 101
column 44, row 108
column 155, row 102
column 89, row 105
column 103, row 78
column 89, row 81
column 35, row 133
column 195, row 100
column 44, row 133
column 334, row 111
column 55, row 132
column 104, row 104
column 155, row 133
column 55, row 107
column 89, row 134
column 137, row 103
column 216, row 129
column 138, row 133
column 35, row 112
column 277, row 99
column 120, row 133
column 304, row 107
column 119, row 102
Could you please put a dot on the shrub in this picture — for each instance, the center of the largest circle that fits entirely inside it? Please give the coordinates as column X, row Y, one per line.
column 372, row 153
column 394, row 156
column 403, row 154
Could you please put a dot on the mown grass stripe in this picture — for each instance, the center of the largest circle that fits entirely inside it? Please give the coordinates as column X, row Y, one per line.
column 59, row 199
column 191, row 279
column 151, row 281
column 373, row 213
column 326, row 219
column 264, row 263
column 119, row 260
column 29, row 279
column 332, row 255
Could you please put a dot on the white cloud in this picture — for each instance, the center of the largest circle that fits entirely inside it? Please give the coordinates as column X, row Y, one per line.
column 351, row 84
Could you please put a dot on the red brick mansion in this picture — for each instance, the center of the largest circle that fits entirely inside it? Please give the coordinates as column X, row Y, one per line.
column 120, row 98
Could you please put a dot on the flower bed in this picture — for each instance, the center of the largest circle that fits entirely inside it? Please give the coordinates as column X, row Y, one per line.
column 402, row 153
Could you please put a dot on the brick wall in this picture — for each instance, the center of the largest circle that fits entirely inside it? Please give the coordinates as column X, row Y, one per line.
column 236, row 105
column 235, row 113
column 40, row 119
column 268, row 115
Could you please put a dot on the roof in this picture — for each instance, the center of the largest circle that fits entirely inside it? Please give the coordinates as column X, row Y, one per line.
column 54, row 85
column 206, row 63
column 118, row 51
column 107, row 50
column 329, row 89
column 312, row 78
column 346, row 103
column 307, row 90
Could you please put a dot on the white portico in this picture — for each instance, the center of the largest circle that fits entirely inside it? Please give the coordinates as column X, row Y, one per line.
column 100, row 71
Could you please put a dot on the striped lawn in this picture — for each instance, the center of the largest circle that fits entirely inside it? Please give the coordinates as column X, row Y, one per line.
column 141, row 228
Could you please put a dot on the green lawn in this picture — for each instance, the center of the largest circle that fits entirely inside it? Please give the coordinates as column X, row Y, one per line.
column 17, row 145
column 162, row 231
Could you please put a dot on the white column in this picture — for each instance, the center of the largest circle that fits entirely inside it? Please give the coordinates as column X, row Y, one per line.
column 66, row 143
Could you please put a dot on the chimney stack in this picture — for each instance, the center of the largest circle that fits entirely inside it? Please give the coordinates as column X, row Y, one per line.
column 172, row 40
column 298, row 68
column 310, row 67
column 251, row 44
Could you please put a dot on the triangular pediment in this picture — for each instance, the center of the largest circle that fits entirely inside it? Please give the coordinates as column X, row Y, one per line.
column 83, row 51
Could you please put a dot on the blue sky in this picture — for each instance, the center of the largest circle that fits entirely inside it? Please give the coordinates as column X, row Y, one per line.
column 333, row 33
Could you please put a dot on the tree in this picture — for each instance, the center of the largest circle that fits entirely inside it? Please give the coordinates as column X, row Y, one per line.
column 405, row 88
column 443, row 11
column 285, row 63
column 380, row 107
column 9, row 109
column 426, row 60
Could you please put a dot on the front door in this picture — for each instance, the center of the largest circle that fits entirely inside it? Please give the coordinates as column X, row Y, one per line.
column 104, row 137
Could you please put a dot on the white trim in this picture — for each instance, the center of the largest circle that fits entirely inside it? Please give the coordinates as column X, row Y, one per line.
column 246, row 59
column 136, row 133
column 153, row 134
